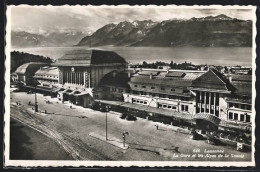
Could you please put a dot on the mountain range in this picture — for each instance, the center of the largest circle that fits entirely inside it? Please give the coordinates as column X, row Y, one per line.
column 53, row 39
column 216, row 31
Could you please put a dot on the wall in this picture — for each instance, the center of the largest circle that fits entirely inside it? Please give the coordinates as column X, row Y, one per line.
column 98, row 72
column 223, row 106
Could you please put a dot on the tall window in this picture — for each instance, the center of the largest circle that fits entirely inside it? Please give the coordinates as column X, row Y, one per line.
column 198, row 97
column 235, row 116
column 184, row 108
column 202, row 97
column 242, row 117
column 230, row 115
column 247, row 118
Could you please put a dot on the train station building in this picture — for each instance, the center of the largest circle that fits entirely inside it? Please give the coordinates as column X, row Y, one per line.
column 80, row 73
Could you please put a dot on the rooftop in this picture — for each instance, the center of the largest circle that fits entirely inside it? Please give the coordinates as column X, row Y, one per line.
column 212, row 80
column 171, row 78
column 29, row 67
column 89, row 57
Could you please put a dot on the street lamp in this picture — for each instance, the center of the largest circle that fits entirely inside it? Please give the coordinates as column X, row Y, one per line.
column 106, row 110
column 124, row 134
column 35, row 98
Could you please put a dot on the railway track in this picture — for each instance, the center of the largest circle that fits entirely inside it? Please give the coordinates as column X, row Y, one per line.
column 77, row 149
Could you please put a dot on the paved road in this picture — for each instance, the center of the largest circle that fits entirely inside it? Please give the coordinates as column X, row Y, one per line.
column 71, row 128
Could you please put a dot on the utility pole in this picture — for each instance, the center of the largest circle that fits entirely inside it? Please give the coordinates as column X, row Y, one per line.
column 35, row 100
column 106, row 123
column 90, row 43
column 107, row 110
column 124, row 134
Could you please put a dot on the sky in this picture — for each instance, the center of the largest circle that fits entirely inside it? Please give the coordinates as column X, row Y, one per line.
column 87, row 19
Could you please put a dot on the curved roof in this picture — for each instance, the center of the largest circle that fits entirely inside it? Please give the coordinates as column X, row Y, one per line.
column 120, row 79
column 89, row 57
column 29, row 67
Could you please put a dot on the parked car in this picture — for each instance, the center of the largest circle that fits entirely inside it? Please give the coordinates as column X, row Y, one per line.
column 29, row 92
column 103, row 109
column 130, row 118
column 16, row 90
column 123, row 116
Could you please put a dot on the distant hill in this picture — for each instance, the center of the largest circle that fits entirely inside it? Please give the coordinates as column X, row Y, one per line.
column 25, row 39
column 216, row 31
column 19, row 58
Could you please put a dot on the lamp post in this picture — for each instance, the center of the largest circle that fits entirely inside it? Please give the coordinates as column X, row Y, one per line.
column 107, row 110
column 35, row 98
column 124, row 134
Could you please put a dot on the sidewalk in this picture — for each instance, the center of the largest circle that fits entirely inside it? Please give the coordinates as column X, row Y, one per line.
column 111, row 140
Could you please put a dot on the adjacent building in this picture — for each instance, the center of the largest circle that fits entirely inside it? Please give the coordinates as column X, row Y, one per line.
column 24, row 73
column 210, row 98
column 47, row 76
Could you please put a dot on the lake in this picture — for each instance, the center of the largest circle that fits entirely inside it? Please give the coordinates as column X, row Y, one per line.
column 196, row 55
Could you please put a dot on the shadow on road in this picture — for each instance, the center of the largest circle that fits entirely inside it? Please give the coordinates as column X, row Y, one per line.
column 140, row 147
column 18, row 142
column 69, row 115
column 147, row 150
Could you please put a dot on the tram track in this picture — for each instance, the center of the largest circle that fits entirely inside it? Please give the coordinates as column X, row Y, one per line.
column 77, row 149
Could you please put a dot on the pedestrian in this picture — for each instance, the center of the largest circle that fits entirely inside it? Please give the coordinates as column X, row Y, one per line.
column 71, row 106
column 157, row 126
column 29, row 103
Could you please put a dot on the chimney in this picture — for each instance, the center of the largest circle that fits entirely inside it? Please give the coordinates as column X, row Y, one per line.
column 151, row 76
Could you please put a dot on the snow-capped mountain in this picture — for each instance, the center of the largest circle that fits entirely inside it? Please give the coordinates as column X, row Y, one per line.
column 219, row 30
column 25, row 39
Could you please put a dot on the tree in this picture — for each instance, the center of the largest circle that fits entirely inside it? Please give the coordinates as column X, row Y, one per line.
column 171, row 64
column 144, row 64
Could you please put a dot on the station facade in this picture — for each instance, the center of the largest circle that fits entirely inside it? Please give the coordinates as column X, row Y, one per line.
column 80, row 73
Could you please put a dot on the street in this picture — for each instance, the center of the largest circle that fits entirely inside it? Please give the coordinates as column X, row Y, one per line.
column 70, row 127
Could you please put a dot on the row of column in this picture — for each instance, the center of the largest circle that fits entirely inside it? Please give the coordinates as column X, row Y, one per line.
column 205, row 101
column 74, row 78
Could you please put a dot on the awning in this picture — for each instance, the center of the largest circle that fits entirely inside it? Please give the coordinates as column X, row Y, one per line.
column 134, row 106
column 170, row 113
column 67, row 91
column 110, row 102
column 82, row 94
column 59, row 89
column 208, row 117
column 74, row 92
